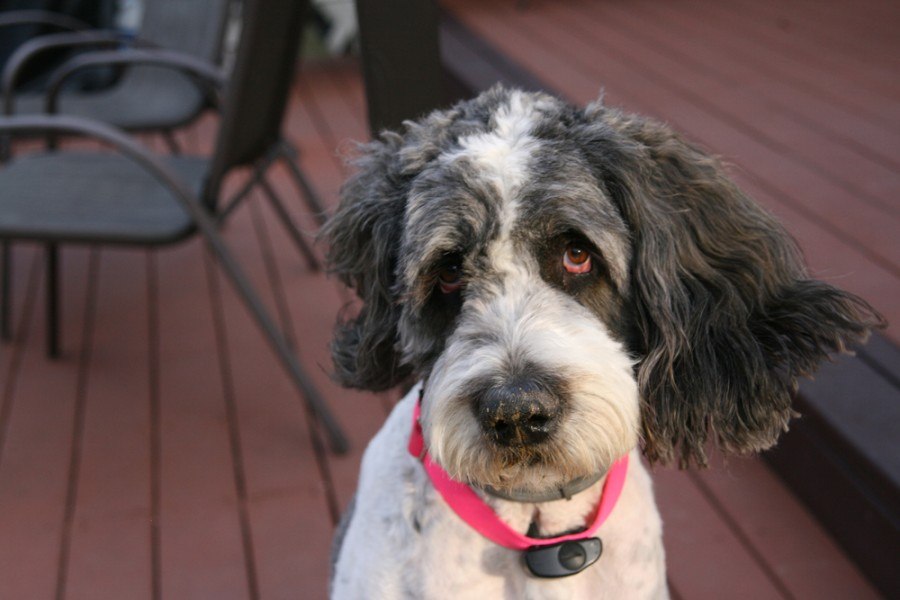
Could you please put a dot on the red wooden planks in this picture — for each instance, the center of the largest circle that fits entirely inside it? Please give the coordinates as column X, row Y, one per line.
column 364, row 412
column 24, row 281
column 109, row 553
column 801, row 553
column 275, row 456
column 201, row 548
column 38, row 425
column 704, row 558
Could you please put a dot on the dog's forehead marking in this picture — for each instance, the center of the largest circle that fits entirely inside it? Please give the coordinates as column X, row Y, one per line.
column 503, row 153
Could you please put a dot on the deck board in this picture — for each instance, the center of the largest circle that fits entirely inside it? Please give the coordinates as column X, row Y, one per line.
column 846, row 36
column 253, row 378
column 791, row 118
column 200, row 546
column 340, row 123
column 11, row 355
column 109, row 532
column 694, row 535
column 39, row 407
column 801, row 554
column 821, row 63
column 197, row 471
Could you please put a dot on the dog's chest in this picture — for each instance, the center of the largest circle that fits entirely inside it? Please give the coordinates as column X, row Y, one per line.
column 453, row 561
column 404, row 541
column 456, row 562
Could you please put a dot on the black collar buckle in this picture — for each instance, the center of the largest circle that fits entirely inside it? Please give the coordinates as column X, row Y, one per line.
column 564, row 558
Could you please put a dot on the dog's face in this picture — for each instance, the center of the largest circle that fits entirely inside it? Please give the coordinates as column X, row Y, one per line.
column 514, row 272
column 569, row 282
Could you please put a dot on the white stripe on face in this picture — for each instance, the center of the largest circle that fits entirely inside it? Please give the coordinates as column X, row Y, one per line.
column 504, row 153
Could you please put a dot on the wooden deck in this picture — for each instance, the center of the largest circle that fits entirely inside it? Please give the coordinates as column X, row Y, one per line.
column 165, row 455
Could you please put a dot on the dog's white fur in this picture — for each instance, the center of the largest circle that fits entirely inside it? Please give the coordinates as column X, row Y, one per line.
column 405, row 542
column 705, row 290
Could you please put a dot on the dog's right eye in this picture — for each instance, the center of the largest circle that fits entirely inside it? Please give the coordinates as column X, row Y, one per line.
column 450, row 278
column 577, row 259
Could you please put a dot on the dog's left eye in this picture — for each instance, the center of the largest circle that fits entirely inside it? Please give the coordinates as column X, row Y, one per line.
column 577, row 259
column 450, row 278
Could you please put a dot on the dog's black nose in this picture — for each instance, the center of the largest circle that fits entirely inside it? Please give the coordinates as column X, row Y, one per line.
column 518, row 413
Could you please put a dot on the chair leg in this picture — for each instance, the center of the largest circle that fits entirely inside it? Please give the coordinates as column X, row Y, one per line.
column 289, row 155
column 171, row 142
column 52, row 274
column 292, row 228
column 232, row 269
column 6, row 291
column 259, row 171
column 5, row 148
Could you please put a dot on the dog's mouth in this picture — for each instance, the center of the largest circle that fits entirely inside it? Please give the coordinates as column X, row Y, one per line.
column 529, row 473
column 522, row 455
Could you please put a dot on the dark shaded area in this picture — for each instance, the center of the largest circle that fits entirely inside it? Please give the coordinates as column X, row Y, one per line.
column 98, row 14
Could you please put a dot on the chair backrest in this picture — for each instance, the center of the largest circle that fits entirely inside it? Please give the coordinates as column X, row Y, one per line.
column 193, row 26
column 258, row 88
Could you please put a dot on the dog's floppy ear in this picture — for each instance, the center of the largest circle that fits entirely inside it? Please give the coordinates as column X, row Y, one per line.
column 726, row 317
column 363, row 240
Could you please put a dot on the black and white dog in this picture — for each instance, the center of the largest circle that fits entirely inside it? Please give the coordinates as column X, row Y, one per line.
column 571, row 286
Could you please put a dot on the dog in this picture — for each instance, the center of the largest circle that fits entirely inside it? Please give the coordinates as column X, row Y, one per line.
column 573, row 288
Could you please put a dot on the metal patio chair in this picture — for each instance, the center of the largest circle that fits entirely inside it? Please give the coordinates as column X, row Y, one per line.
column 149, row 96
column 133, row 196
column 158, row 92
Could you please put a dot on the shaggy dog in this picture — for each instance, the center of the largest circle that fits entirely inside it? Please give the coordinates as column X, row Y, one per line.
column 572, row 286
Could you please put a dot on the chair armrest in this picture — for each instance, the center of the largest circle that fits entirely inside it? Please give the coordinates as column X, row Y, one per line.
column 53, row 41
column 14, row 18
column 209, row 78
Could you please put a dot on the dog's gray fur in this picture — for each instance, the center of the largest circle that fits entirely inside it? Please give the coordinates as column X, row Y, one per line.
column 715, row 299
column 703, row 289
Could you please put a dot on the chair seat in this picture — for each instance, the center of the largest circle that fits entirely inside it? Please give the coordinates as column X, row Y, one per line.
column 94, row 197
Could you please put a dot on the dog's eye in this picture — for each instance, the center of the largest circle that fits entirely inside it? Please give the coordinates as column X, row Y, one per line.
column 577, row 259
column 450, row 278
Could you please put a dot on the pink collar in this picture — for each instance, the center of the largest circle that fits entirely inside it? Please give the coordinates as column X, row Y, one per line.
column 473, row 510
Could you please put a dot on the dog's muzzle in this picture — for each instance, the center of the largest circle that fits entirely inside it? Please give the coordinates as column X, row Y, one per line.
column 520, row 412
column 559, row 556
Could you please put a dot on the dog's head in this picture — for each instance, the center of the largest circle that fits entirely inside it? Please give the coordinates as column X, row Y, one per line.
column 571, row 283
